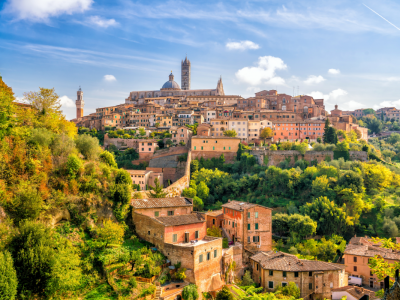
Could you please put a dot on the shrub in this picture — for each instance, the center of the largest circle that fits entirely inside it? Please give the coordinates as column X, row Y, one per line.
column 8, row 277
column 189, row 292
column 108, row 158
column 73, row 165
column 133, row 283
column 247, row 280
column 88, row 146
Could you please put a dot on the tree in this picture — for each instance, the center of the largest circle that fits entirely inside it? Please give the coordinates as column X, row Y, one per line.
column 266, row 133
column 331, row 218
column 239, row 152
column 273, row 147
column 280, row 223
column 110, row 233
column 46, row 101
column 189, row 192
column 194, row 166
column 247, row 280
column 214, row 231
column 224, row 294
column 331, row 136
column 342, row 146
column 88, row 146
column 169, row 142
column 157, row 125
column 198, row 204
column 290, row 290
column 320, row 185
column 303, row 225
column 74, row 164
column 157, row 190
column 108, row 158
column 202, row 190
column 7, row 109
column 393, row 138
column 142, row 131
column 45, row 265
column 358, row 133
column 160, row 144
column 8, row 277
column 27, row 203
column 182, row 143
column 123, row 177
column 230, row 133
column 376, row 176
column 189, row 292
column 375, row 126
column 326, row 129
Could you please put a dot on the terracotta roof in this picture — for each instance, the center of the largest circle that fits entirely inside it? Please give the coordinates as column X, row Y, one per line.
column 214, row 213
column 161, row 202
column 356, row 292
column 181, row 219
column 286, row 262
column 371, row 251
column 238, row 205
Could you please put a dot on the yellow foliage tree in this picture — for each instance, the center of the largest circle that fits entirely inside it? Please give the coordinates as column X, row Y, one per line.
column 110, row 233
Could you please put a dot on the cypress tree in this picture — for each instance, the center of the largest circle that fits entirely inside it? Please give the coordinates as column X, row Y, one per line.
column 326, row 129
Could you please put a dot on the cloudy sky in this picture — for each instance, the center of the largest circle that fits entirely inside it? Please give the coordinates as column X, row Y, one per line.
column 344, row 51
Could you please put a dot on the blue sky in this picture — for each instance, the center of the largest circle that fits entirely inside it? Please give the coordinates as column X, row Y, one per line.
column 344, row 51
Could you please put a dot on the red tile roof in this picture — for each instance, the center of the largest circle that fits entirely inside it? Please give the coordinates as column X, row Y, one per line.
column 161, row 202
column 181, row 219
column 356, row 292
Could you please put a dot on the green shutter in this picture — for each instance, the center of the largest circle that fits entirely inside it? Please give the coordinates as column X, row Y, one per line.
column 248, row 226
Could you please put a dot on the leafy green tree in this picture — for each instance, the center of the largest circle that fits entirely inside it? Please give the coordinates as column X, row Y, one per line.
column 88, row 146
column 376, row 176
column 331, row 136
column 280, row 223
column 352, row 180
column 110, row 233
column 224, row 294
column 202, row 190
column 157, row 190
column 320, row 186
column 121, row 193
column 230, row 133
column 214, row 231
column 273, row 147
column 194, row 166
column 123, row 177
column 169, row 142
column 198, row 204
column 46, row 101
column 8, row 277
column 290, row 290
column 7, row 109
column 247, row 280
column 326, row 130
column 330, row 218
column 74, row 164
column 189, row 292
column 342, row 146
column 142, row 131
column 27, row 204
column 303, row 225
column 393, row 138
column 266, row 133
column 189, row 192
column 44, row 265
column 375, row 126
column 108, row 158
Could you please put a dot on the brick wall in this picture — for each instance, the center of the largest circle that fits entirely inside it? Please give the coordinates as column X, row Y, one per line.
column 229, row 156
column 149, row 229
column 273, row 158
column 163, row 212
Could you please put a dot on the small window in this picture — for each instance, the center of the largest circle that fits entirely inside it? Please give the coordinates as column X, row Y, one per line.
column 270, row 284
column 310, row 274
column 233, row 224
column 271, row 273
column 208, row 255
column 201, row 147
column 284, row 284
column 201, row 258
column 248, row 226
column 248, row 239
column 213, row 148
column 213, row 221
column 284, row 273
column 170, row 213
column 156, row 213
column 148, row 232
column 257, row 267
column 296, row 274
column 310, row 286
column 174, row 238
column 248, row 215
column 224, row 148
column 256, row 214
column 194, row 147
column 256, row 226
column 215, row 253
column 229, row 148
column 355, row 258
column 355, row 269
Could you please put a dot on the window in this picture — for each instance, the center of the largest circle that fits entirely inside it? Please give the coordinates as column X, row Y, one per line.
column 156, row 213
column 296, row 274
column 355, row 269
column 200, row 258
column 271, row 273
column 355, row 258
column 257, row 267
column 148, row 232
column 224, row 148
column 256, row 226
column 248, row 239
column 194, row 147
column 215, row 253
column 248, row 215
column 213, row 148
column 270, row 284
column 256, row 239
column 201, row 147
column 196, row 234
column 284, row 273
column 248, row 226
column 174, row 238
column 208, row 255
column 284, row 284
column 256, row 214
column 213, row 221
column 310, row 286
column 233, row 224
column 310, row 274
column 170, row 213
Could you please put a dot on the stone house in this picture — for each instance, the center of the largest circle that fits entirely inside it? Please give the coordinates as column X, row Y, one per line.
column 181, row 235
column 145, row 178
column 248, row 223
column 210, row 146
column 356, row 257
column 315, row 279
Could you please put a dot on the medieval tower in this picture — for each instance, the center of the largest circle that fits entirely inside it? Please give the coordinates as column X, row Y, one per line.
column 185, row 74
column 79, row 104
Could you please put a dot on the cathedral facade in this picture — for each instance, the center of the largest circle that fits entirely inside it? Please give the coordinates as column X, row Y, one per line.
column 171, row 87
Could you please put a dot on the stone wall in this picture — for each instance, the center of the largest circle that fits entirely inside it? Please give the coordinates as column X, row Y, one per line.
column 273, row 158
column 229, row 156
column 175, row 189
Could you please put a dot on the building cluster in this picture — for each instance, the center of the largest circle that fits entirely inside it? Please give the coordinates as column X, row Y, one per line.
column 181, row 235
column 291, row 117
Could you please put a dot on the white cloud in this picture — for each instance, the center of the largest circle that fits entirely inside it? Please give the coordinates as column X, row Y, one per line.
column 334, row 71
column 242, row 45
column 109, row 78
column 99, row 21
column 312, row 79
column 264, row 73
column 42, row 10
column 335, row 94
column 66, row 102
column 388, row 104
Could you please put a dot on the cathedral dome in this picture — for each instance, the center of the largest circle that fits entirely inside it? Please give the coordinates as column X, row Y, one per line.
column 171, row 84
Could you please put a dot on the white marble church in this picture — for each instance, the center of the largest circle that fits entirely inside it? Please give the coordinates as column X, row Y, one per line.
column 171, row 87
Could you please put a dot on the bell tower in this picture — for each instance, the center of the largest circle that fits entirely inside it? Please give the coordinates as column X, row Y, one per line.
column 79, row 104
column 185, row 74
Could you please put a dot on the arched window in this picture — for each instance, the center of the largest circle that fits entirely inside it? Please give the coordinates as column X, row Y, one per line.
column 284, row 101
column 305, row 109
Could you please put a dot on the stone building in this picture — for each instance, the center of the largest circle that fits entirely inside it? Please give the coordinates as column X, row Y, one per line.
column 145, row 178
column 185, row 74
column 180, row 134
column 352, row 293
column 357, row 254
column 181, row 235
column 248, row 223
column 79, row 104
column 210, row 146
column 315, row 279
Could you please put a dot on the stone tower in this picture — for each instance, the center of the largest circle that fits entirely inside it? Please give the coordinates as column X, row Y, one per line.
column 185, row 74
column 79, row 104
